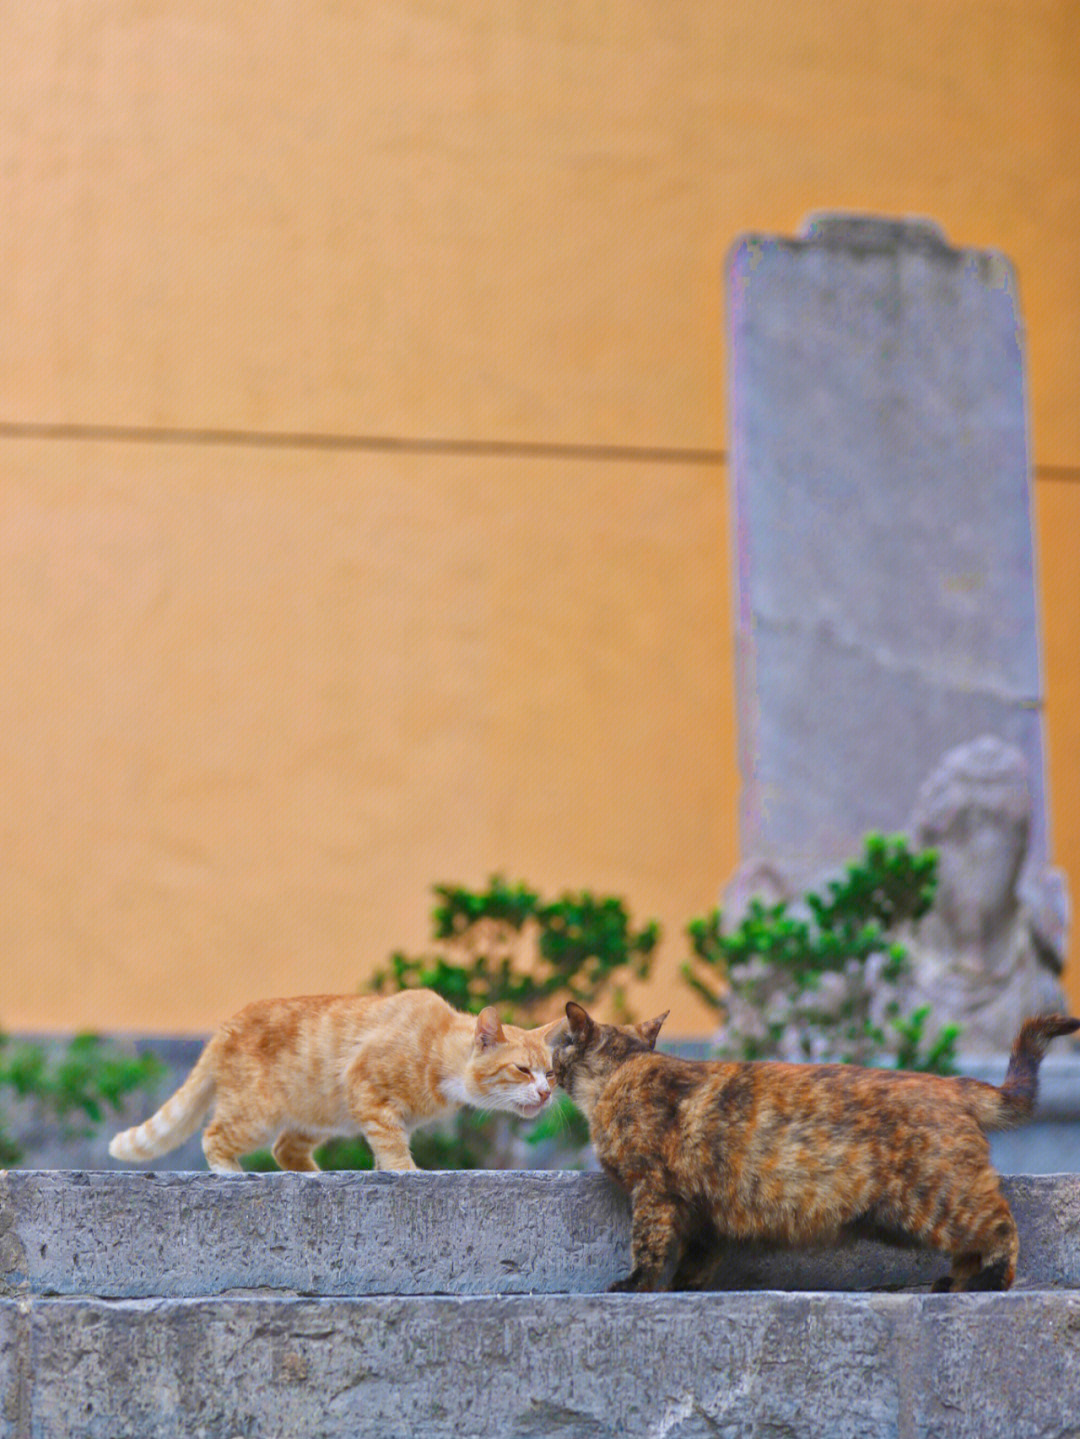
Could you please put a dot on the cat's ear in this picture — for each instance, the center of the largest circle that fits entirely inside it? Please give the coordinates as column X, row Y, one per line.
column 650, row 1028
column 581, row 1026
column 489, row 1032
column 547, row 1032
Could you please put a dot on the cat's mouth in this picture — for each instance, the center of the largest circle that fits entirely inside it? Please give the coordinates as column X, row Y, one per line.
column 530, row 1111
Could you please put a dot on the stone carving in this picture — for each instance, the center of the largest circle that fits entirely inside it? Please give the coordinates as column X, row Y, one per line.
column 989, row 952
column 991, row 949
column 755, row 878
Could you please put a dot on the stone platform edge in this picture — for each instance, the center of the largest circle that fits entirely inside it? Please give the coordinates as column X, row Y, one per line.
column 135, row 1235
column 995, row 1366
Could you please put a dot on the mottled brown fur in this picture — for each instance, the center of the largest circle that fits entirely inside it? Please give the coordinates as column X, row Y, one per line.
column 797, row 1153
column 293, row 1072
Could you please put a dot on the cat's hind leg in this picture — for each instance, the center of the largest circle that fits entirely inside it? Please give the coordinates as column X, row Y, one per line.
column 992, row 1266
column 699, row 1265
column 224, row 1142
column 234, row 1130
column 294, row 1150
column 984, row 1245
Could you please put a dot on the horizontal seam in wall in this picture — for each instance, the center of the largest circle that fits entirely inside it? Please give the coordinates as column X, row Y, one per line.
column 378, row 444
column 401, row 444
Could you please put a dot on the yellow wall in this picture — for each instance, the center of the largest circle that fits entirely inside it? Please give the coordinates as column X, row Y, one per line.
column 266, row 699
column 257, row 696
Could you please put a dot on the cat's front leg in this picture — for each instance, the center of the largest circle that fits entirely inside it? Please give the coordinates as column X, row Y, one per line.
column 656, row 1242
column 390, row 1151
column 698, row 1267
column 382, row 1126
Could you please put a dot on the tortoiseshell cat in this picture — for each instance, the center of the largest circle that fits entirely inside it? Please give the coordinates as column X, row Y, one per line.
column 797, row 1153
column 294, row 1072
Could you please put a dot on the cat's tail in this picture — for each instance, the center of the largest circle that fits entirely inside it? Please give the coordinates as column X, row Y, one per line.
column 176, row 1120
column 1015, row 1100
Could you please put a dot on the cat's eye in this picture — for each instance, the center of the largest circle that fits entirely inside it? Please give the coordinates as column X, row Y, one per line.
column 522, row 1070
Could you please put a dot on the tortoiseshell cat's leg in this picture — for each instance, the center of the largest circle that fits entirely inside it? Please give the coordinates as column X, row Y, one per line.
column 656, row 1242
column 293, row 1150
column 698, row 1267
column 984, row 1254
column 975, row 1227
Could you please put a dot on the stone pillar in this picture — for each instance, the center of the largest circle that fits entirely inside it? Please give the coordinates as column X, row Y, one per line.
column 886, row 588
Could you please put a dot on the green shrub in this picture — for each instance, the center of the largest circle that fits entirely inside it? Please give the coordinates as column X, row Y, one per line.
column 506, row 946
column 89, row 1079
column 824, row 975
column 462, row 1147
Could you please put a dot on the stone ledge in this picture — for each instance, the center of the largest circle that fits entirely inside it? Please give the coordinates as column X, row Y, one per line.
column 545, row 1367
column 132, row 1235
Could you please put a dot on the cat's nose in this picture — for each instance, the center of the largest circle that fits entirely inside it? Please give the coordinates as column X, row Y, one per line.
column 543, row 1092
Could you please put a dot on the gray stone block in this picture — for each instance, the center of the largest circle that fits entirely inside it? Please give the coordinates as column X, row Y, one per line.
column 135, row 1234
column 544, row 1367
column 886, row 592
column 481, row 1232
column 1046, row 1147
column 12, row 1389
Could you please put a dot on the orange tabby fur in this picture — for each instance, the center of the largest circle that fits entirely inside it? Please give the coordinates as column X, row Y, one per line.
column 294, row 1072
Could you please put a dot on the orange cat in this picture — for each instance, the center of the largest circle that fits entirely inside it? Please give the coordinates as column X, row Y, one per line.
column 294, row 1072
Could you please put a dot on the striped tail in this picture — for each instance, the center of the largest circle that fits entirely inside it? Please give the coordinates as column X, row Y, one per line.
column 1015, row 1100
column 176, row 1120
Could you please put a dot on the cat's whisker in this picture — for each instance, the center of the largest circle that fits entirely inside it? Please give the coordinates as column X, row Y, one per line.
column 560, row 1114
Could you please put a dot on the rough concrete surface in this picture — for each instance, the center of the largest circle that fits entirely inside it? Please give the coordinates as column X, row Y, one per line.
column 134, row 1234
column 496, row 1232
column 678, row 1366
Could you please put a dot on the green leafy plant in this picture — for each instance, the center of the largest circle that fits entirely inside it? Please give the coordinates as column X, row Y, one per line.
column 78, row 1087
column 936, row 1055
column 461, row 1146
column 821, row 980
column 506, row 946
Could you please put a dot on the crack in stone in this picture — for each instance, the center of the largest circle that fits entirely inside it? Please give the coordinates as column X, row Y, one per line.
column 825, row 632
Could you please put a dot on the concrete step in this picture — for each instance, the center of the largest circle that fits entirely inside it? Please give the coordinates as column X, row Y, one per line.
column 135, row 1235
column 423, row 1326
column 843, row 1366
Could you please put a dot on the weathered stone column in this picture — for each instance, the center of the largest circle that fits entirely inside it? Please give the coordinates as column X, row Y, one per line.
column 886, row 588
